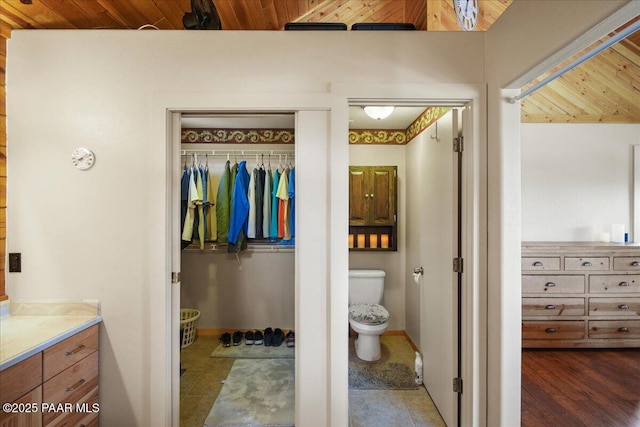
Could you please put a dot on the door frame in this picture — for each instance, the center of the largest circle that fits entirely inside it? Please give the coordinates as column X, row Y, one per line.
column 321, row 380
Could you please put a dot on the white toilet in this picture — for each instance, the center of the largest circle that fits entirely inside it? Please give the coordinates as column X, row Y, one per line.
column 367, row 317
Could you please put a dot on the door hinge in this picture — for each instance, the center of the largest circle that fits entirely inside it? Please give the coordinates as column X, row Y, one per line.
column 458, row 144
column 175, row 277
column 457, row 385
column 458, row 265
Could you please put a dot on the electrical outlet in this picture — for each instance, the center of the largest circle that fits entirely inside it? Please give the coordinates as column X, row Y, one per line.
column 15, row 262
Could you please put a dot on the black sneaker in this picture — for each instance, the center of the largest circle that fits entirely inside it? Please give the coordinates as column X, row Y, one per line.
column 249, row 338
column 237, row 337
column 257, row 336
column 268, row 337
column 225, row 339
column 278, row 337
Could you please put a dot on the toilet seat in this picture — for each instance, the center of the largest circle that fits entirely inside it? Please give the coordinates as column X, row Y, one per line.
column 368, row 314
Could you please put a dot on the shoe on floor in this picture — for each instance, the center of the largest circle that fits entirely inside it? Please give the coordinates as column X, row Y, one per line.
column 237, row 337
column 225, row 339
column 249, row 338
column 278, row 337
column 268, row 337
column 290, row 339
column 257, row 336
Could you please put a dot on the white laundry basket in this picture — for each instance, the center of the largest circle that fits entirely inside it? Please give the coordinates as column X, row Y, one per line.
column 188, row 317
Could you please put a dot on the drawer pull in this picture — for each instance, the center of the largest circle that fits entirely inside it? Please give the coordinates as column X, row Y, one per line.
column 75, row 350
column 550, row 330
column 587, row 264
column 635, row 264
column 75, row 386
column 623, row 307
column 623, row 329
column 538, row 264
column 550, row 285
column 550, row 307
column 623, row 284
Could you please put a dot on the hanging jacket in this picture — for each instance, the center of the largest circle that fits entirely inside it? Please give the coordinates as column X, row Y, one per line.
column 184, row 197
column 251, row 195
column 212, row 182
column 223, row 205
column 239, row 223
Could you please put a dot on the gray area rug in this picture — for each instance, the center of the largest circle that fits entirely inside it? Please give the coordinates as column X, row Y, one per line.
column 394, row 371
column 257, row 392
column 244, row 351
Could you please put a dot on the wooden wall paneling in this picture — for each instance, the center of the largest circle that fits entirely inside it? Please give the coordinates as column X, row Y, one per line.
column 125, row 12
column 229, row 18
column 100, row 17
column 173, row 13
column 36, row 15
column 415, row 12
column 151, row 13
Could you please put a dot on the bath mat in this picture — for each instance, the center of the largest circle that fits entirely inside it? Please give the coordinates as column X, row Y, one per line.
column 257, row 392
column 394, row 370
column 244, row 351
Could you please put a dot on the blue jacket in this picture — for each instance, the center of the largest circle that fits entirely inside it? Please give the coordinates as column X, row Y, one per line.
column 239, row 204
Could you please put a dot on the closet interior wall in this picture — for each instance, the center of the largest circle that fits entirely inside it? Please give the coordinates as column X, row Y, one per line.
column 252, row 291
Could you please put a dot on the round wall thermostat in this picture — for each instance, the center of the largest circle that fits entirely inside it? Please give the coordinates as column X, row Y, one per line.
column 82, row 158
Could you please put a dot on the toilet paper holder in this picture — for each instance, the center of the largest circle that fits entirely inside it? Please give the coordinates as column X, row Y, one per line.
column 418, row 270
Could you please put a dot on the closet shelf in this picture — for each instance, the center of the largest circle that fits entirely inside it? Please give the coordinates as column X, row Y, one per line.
column 251, row 247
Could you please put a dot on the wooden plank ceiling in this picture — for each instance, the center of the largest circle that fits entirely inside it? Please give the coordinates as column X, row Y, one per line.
column 603, row 90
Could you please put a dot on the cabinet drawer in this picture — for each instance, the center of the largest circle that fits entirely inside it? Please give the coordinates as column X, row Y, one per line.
column 64, row 354
column 552, row 284
column 586, row 263
column 614, row 283
column 614, row 329
column 541, row 264
column 85, row 413
column 553, row 307
column 626, row 263
column 614, row 306
column 20, row 378
column 553, row 330
column 71, row 385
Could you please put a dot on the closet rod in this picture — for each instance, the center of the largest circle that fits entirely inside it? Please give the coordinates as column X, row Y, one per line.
column 237, row 152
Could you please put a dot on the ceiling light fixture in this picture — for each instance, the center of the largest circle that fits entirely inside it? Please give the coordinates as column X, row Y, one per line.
column 379, row 112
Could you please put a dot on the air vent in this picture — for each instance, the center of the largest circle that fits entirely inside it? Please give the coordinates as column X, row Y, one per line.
column 383, row 26
column 315, row 26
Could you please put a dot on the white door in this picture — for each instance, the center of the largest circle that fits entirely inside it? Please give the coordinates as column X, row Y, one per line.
column 438, row 248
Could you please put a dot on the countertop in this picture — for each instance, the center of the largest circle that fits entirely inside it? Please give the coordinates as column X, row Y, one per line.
column 27, row 328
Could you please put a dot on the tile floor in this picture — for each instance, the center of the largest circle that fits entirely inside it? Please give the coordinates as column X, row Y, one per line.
column 202, row 381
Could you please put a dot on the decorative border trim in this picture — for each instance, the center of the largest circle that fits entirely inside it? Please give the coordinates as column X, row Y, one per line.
column 398, row 137
column 238, row 136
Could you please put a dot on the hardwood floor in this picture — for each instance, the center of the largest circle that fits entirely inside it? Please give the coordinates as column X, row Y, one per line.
column 586, row 387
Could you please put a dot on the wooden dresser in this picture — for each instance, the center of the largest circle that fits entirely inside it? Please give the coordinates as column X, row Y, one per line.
column 580, row 294
column 55, row 387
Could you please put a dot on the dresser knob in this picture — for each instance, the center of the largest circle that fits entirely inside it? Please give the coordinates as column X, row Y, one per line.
column 623, row 329
column 623, row 284
column 550, row 307
column 623, row 307
column 538, row 264
column 550, row 285
column 635, row 264
column 550, row 330
column 587, row 264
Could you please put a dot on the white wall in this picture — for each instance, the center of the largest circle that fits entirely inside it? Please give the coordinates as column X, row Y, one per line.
column 393, row 263
column 102, row 233
column 577, row 180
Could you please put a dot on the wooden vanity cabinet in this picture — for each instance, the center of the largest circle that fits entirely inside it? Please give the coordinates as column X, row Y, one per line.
column 21, row 384
column 372, row 195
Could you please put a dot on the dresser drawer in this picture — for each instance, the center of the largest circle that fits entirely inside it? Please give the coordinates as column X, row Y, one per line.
column 614, row 306
column 552, row 284
column 64, row 354
column 586, row 263
column 614, row 329
column 541, row 264
column 614, row 283
column 627, row 263
column 85, row 413
column 553, row 307
column 553, row 330
column 71, row 385
column 20, row 378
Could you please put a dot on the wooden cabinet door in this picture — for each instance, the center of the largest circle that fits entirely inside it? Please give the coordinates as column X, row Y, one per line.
column 382, row 195
column 358, row 195
column 29, row 415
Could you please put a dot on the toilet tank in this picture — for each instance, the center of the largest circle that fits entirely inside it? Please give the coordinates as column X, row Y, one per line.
column 366, row 286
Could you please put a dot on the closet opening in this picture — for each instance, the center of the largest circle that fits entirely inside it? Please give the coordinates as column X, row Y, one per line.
column 238, row 212
column 405, row 227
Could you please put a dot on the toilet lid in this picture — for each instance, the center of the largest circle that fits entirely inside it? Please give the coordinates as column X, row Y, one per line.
column 368, row 314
